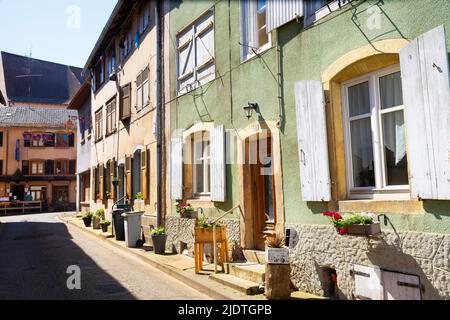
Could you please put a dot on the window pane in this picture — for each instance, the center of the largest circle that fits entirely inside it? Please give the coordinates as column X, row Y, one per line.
column 207, row 162
column 199, row 176
column 359, row 99
column 362, row 153
column 395, row 148
column 391, row 90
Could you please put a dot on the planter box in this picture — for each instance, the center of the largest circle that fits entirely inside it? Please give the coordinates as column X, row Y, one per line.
column 205, row 235
column 364, row 229
column 277, row 255
column 96, row 223
column 138, row 205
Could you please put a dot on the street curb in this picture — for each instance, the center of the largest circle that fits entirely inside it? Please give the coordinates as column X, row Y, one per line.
column 202, row 288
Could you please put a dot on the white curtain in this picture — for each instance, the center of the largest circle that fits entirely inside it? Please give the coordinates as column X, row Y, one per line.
column 393, row 122
column 361, row 135
column 394, row 134
column 248, row 25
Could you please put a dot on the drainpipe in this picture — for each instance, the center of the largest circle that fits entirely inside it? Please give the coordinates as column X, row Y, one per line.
column 159, row 111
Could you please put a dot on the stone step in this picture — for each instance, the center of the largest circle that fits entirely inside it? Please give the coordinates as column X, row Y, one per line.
column 256, row 256
column 235, row 283
column 250, row 271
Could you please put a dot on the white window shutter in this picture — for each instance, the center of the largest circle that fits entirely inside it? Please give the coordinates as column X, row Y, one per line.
column 280, row 12
column 368, row 282
column 205, row 66
column 218, row 164
column 186, row 59
column 248, row 26
column 426, row 97
column 399, row 286
column 312, row 140
column 176, row 169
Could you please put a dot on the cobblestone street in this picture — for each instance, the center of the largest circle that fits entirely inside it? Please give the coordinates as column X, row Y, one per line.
column 36, row 251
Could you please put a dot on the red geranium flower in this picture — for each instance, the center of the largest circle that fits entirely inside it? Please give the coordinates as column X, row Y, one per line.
column 327, row 214
column 343, row 231
column 336, row 216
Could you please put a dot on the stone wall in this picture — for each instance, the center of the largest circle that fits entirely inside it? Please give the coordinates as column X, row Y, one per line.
column 423, row 254
column 180, row 236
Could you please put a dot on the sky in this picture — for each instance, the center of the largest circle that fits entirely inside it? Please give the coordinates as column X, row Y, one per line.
column 62, row 31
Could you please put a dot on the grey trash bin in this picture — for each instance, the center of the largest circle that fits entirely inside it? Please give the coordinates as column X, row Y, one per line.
column 132, row 224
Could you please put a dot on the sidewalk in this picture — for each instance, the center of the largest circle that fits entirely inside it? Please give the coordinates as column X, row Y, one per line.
column 178, row 266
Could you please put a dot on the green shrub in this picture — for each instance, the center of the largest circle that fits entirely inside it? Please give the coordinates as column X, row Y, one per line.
column 100, row 213
column 158, row 231
column 105, row 223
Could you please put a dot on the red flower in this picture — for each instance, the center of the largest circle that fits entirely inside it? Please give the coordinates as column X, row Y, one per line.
column 327, row 214
column 334, row 278
column 336, row 216
column 343, row 231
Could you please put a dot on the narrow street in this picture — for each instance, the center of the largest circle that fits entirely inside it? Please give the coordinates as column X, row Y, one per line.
column 36, row 250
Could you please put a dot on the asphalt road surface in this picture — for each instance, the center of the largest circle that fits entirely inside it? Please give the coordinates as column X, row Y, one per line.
column 37, row 250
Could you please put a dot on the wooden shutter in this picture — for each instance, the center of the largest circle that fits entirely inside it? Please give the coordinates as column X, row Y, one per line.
column 426, row 97
column 72, row 166
column 144, row 178
column 204, row 48
column 139, row 92
column 399, row 286
column 367, row 282
column 101, row 172
column 71, row 140
column 94, row 183
column 128, row 176
column 312, row 141
column 176, row 169
column 125, row 102
column 248, row 26
column 218, row 164
column 186, row 59
column 281, row 12
column 25, row 167
column 113, row 170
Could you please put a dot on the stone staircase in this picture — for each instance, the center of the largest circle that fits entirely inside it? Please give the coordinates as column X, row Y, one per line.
column 246, row 277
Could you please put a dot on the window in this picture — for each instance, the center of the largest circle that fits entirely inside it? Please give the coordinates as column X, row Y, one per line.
column 49, row 167
column 1, row 138
column 37, row 167
column 112, row 59
column 64, row 140
column 37, row 140
column 142, row 96
column 317, row 9
column 38, row 193
column 99, row 74
column 144, row 19
column 126, row 45
column 195, row 54
column 254, row 36
column 1, row 167
column 99, row 125
column 375, row 133
column 125, row 102
column 201, row 164
column 61, row 194
column 111, row 117
column 61, row 167
column 49, row 139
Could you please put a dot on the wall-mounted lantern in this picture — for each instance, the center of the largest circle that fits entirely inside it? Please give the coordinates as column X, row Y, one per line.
column 249, row 109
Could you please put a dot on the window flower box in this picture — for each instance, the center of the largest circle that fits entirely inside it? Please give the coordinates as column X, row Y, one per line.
column 364, row 229
column 205, row 235
column 355, row 224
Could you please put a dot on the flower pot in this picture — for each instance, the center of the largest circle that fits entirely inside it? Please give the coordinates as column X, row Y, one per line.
column 277, row 255
column 87, row 221
column 205, row 235
column 115, row 183
column 364, row 229
column 105, row 227
column 277, row 281
column 159, row 243
column 96, row 223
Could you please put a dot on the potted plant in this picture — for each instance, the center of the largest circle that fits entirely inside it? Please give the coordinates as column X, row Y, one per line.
column 276, row 252
column 105, row 224
column 278, row 269
column 98, row 216
column 354, row 224
column 184, row 209
column 204, row 230
column 87, row 219
column 159, row 238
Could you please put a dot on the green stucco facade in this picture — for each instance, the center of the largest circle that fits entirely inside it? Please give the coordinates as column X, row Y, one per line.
column 305, row 54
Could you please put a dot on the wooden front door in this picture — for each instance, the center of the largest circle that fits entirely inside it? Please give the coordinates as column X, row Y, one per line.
column 259, row 192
